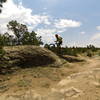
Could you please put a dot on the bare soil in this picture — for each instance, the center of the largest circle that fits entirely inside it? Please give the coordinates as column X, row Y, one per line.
column 70, row 81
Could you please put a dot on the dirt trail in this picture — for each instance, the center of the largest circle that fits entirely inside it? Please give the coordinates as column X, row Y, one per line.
column 92, row 64
column 84, row 84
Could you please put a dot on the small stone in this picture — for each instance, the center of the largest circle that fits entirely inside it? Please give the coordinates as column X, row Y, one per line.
column 72, row 92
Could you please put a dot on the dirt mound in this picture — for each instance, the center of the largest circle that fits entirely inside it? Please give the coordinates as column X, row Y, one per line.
column 28, row 56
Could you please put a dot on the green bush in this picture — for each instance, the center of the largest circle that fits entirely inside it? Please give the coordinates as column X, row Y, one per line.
column 89, row 53
column 2, row 52
column 99, row 53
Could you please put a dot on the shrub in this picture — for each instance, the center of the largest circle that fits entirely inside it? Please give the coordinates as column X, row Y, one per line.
column 2, row 52
column 89, row 53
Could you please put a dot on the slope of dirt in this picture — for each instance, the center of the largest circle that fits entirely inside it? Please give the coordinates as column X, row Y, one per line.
column 75, row 80
column 28, row 56
column 71, row 81
column 72, row 59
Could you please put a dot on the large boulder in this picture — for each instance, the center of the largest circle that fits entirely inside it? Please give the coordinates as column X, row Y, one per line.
column 29, row 56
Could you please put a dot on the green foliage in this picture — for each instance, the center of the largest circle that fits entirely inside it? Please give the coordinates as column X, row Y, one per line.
column 73, row 51
column 18, row 29
column 1, row 2
column 31, row 39
column 21, row 36
column 91, row 47
column 89, row 53
column 99, row 53
column 1, row 46
column 6, row 39
column 2, row 52
column 24, row 83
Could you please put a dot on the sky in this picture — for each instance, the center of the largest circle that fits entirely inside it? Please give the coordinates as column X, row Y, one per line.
column 76, row 21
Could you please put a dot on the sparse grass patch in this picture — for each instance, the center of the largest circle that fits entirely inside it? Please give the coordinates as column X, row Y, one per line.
column 2, row 52
column 45, row 84
column 24, row 83
column 89, row 53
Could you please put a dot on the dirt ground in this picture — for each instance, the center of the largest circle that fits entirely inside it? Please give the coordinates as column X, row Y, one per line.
column 71, row 81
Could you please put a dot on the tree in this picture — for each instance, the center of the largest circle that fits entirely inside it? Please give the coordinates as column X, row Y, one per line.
column 34, row 39
column 30, row 38
column 22, row 35
column 1, row 40
column 6, row 39
column 18, row 29
column 1, row 2
column 9, row 39
column 91, row 47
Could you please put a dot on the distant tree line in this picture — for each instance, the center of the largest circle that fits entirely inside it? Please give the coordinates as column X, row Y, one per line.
column 73, row 51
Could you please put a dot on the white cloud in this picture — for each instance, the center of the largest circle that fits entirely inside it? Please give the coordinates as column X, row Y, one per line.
column 95, row 36
column 77, row 44
column 61, row 30
column 82, row 32
column 23, row 15
column 98, row 27
column 66, row 23
column 45, row 8
column 47, row 34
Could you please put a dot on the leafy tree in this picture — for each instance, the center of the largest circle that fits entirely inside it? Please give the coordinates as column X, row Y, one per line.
column 2, row 52
column 6, row 39
column 39, row 41
column 25, row 39
column 30, row 38
column 22, row 35
column 1, row 2
column 18, row 29
column 92, row 47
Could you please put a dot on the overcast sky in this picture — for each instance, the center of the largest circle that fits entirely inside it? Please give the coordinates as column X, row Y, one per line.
column 77, row 21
